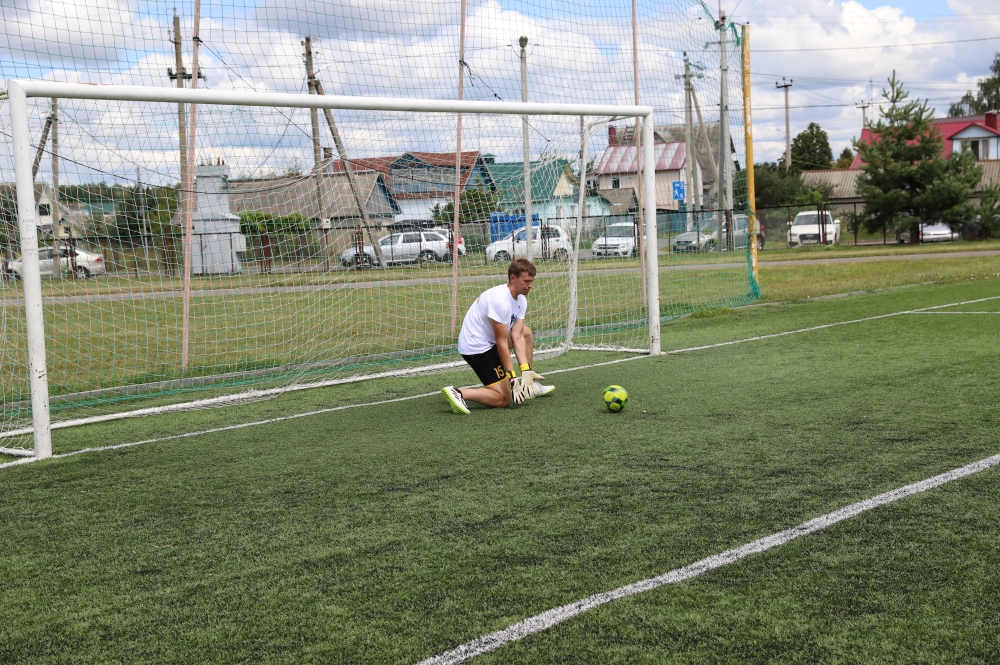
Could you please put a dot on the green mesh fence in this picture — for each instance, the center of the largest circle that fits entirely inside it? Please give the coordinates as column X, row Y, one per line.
column 304, row 269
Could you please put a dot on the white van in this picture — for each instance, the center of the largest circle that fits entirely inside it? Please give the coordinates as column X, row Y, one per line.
column 618, row 239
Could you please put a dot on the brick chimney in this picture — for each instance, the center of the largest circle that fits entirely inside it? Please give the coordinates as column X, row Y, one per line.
column 613, row 134
column 991, row 119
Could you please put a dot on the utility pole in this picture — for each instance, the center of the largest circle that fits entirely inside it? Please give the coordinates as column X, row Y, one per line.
column 180, row 75
column 318, row 167
column 788, row 124
column 57, row 266
column 864, row 113
column 690, row 161
column 640, row 226
column 529, row 227
column 724, row 149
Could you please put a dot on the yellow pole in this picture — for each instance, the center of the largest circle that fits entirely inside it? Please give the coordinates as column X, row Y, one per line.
column 748, row 136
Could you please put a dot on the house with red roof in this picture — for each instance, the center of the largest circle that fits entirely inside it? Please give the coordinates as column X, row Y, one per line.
column 978, row 134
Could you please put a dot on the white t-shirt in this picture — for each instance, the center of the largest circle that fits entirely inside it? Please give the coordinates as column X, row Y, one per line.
column 496, row 304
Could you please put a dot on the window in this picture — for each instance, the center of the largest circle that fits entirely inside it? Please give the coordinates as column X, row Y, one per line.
column 44, row 210
column 980, row 148
column 411, row 238
column 434, row 237
column 616, row 183
column 388, row 240
column 550, row 232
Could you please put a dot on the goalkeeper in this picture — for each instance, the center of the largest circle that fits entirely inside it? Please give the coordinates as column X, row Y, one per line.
column 493, row 325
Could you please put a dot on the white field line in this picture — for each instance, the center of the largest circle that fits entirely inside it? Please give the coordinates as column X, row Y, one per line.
column 402, row 399
column 552, row 617
column 954, row 312
column 227, row 428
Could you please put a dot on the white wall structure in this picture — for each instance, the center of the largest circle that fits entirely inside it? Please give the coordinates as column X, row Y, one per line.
column 217, row 242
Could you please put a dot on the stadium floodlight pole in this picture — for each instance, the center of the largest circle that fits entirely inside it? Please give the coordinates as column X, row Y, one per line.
column 458, row 174
column 529, row 227
column 30, row 271
column 748, row 140
column 191, row 198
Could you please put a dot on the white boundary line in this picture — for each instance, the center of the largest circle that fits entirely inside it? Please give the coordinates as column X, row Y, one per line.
column 955, row 312
column 557, row 371
column 555, row 616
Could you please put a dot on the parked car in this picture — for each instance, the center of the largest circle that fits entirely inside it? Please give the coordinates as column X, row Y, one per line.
column 549, row 241
column 87, row 264
column 691, row 241
column 807, row 229
column 617, row 239
column 707, row 237
column 929, row 233
column 398, row 248
column 446, row 232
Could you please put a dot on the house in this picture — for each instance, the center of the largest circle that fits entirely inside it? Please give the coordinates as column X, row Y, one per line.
column 290, row 194
column 705, row 146
column 978, row 133
column 618, row 169
column 419, row 181
column 555, row 192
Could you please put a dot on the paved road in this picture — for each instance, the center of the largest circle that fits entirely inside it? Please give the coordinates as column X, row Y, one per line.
column 416, row 281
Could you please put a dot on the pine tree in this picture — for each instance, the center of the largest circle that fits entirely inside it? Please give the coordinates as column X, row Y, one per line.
column 845, row 160
column 811, row 149
column 905, row 180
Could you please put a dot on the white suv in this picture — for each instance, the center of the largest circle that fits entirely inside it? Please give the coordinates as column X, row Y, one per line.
column 616, row 240
column 406, row 247
column 808, row 228
column 548, row 242
column 86, row 265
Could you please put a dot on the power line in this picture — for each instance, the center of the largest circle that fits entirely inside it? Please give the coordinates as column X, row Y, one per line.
column 858, row 48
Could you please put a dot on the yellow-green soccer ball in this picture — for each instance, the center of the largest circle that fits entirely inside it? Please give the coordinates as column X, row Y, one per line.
column 615, row 398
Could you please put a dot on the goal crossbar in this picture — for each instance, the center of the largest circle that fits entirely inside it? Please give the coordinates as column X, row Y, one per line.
column 19, row 91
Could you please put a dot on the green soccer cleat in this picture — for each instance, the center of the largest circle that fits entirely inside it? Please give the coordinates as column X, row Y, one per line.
column 455, row 399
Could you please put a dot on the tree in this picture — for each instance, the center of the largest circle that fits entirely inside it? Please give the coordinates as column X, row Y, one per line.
column 263, row 225
column 987, row 99
column 988, row 210
column 811, row 149
column 845, row 160
column 905, row 180
column 475, row 205
column 775, row 186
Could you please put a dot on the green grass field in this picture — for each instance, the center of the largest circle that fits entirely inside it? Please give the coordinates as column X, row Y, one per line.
column 390, row 533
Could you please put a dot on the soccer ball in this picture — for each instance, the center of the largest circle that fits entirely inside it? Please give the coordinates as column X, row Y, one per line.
column 615, row 398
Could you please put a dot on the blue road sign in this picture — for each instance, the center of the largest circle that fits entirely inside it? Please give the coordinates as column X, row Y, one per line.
column 679, row 193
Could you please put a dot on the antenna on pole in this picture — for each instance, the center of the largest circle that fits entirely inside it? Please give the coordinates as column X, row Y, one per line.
column 864, row 115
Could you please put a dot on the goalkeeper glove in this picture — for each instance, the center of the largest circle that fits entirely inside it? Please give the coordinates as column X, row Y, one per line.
column 525, row 385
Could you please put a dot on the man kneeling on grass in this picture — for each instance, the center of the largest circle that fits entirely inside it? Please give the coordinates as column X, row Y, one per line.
column 494, row 324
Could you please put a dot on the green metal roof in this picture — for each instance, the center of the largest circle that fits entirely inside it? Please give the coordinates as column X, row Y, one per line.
column 509, row 177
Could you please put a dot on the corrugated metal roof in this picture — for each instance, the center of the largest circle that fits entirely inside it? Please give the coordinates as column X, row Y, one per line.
column 843, row 182
column 286, row 195
column 509, row 177
column 622, row 158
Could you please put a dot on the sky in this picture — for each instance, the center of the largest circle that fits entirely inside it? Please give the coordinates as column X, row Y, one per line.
column 837, row 53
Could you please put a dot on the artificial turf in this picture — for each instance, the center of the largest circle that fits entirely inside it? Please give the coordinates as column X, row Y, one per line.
column 390, row 533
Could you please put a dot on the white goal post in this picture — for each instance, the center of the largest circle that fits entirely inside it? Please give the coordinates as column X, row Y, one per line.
column 19, row 91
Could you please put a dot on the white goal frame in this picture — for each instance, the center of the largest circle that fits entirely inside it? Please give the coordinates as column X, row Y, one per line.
column 19, row 91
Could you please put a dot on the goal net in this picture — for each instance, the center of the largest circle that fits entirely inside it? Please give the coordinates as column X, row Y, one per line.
column 196, row 255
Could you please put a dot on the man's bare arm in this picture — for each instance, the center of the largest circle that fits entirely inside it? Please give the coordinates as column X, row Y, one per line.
column 500, row 333
column 520, row 344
